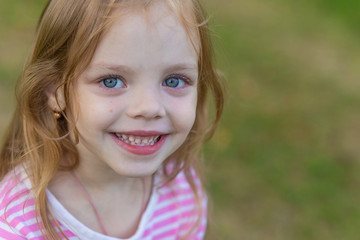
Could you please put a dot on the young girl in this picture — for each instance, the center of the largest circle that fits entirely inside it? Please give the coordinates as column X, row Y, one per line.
column 110, row 118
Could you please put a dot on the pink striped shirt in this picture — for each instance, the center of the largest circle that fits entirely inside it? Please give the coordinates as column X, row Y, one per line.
column 170, row 214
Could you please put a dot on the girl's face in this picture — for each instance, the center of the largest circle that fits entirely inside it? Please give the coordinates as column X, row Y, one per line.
column 137, row 99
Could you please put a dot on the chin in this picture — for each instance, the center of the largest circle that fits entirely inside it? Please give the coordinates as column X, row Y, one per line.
column 137, row 171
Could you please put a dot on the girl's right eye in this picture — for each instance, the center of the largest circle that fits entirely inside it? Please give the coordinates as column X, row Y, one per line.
column 113, row 82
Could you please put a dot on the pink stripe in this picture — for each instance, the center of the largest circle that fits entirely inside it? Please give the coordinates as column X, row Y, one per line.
column 30, row 229
column 22, row 218
column 197, row 233
column 20, row 207
column 178, row 192
column 26, row 229
column 8, row 199
column 181, row 175
column 184, row 180
column 169, row 233
column 8, row 235
column 189, row 213
column 29, row 215
column 174, row 193
column 14, row 223
column 18, row 221
column 188, row 202
column 10, row 182
column 190, row 221
column 166, row 222
column 6, row 191
column 179, row 180
column 9, row 176
column 162, row 224
column 5, row 185
column 192, row 213
column 172, row 219
column 188, row 225
column 67, row 234
column 201, row 230
column 35, row 227
column 173, row 206
column 163, row 210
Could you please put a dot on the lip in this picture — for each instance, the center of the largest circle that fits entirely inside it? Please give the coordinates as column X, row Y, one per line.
column 141, row 150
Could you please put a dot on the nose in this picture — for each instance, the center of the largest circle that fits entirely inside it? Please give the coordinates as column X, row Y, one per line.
column 146, row 103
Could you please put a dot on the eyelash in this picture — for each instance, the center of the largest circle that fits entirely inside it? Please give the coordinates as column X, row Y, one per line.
column 111, row 76
column 182, row 77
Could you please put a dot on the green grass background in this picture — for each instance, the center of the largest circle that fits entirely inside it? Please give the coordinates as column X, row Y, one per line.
column 284, row 163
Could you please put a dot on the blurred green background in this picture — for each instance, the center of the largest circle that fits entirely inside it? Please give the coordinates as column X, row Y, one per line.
column 284, row 163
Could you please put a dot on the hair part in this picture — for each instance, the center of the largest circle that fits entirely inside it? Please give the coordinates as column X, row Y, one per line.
column 66, row 39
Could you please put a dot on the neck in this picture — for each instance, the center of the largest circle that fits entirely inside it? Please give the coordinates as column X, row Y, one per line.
column 103, row 185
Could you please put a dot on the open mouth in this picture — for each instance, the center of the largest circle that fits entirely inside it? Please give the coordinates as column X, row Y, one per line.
column 138, row 140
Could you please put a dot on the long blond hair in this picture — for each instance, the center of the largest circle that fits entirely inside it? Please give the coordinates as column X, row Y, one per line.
column 66, row 39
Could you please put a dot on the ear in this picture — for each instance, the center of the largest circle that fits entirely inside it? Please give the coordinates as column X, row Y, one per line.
column 56, row 100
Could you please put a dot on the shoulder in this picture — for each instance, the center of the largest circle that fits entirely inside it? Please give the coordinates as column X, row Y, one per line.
column 181, row 209
column 181, row 186
column 17, row 206
column 13, row 191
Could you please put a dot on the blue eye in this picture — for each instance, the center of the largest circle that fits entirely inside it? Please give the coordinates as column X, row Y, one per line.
column 113, row 82
column 174, row 82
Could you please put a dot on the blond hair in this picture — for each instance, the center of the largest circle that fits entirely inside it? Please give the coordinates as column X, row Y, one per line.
column 66, row 39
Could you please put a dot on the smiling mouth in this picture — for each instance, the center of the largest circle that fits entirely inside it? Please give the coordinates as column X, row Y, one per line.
column 138, row 140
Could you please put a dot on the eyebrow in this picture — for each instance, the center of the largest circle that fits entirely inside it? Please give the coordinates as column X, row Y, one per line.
column 182, row 66
column 126, row 69
column 117, row 68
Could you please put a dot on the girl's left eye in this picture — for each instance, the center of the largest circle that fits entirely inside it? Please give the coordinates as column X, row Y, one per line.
column 113, row 82
column 174, row 82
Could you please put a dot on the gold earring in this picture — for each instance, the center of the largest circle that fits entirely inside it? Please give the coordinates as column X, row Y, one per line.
column 57, row 115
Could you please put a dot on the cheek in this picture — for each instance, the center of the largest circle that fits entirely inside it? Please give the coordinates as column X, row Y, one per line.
column 95, row 106
column 96, row 113
column 183, row 112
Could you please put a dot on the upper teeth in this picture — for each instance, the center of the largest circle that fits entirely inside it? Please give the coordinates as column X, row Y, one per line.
column 138, row 140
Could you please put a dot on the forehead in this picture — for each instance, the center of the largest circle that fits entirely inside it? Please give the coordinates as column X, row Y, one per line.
column 141, row 29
